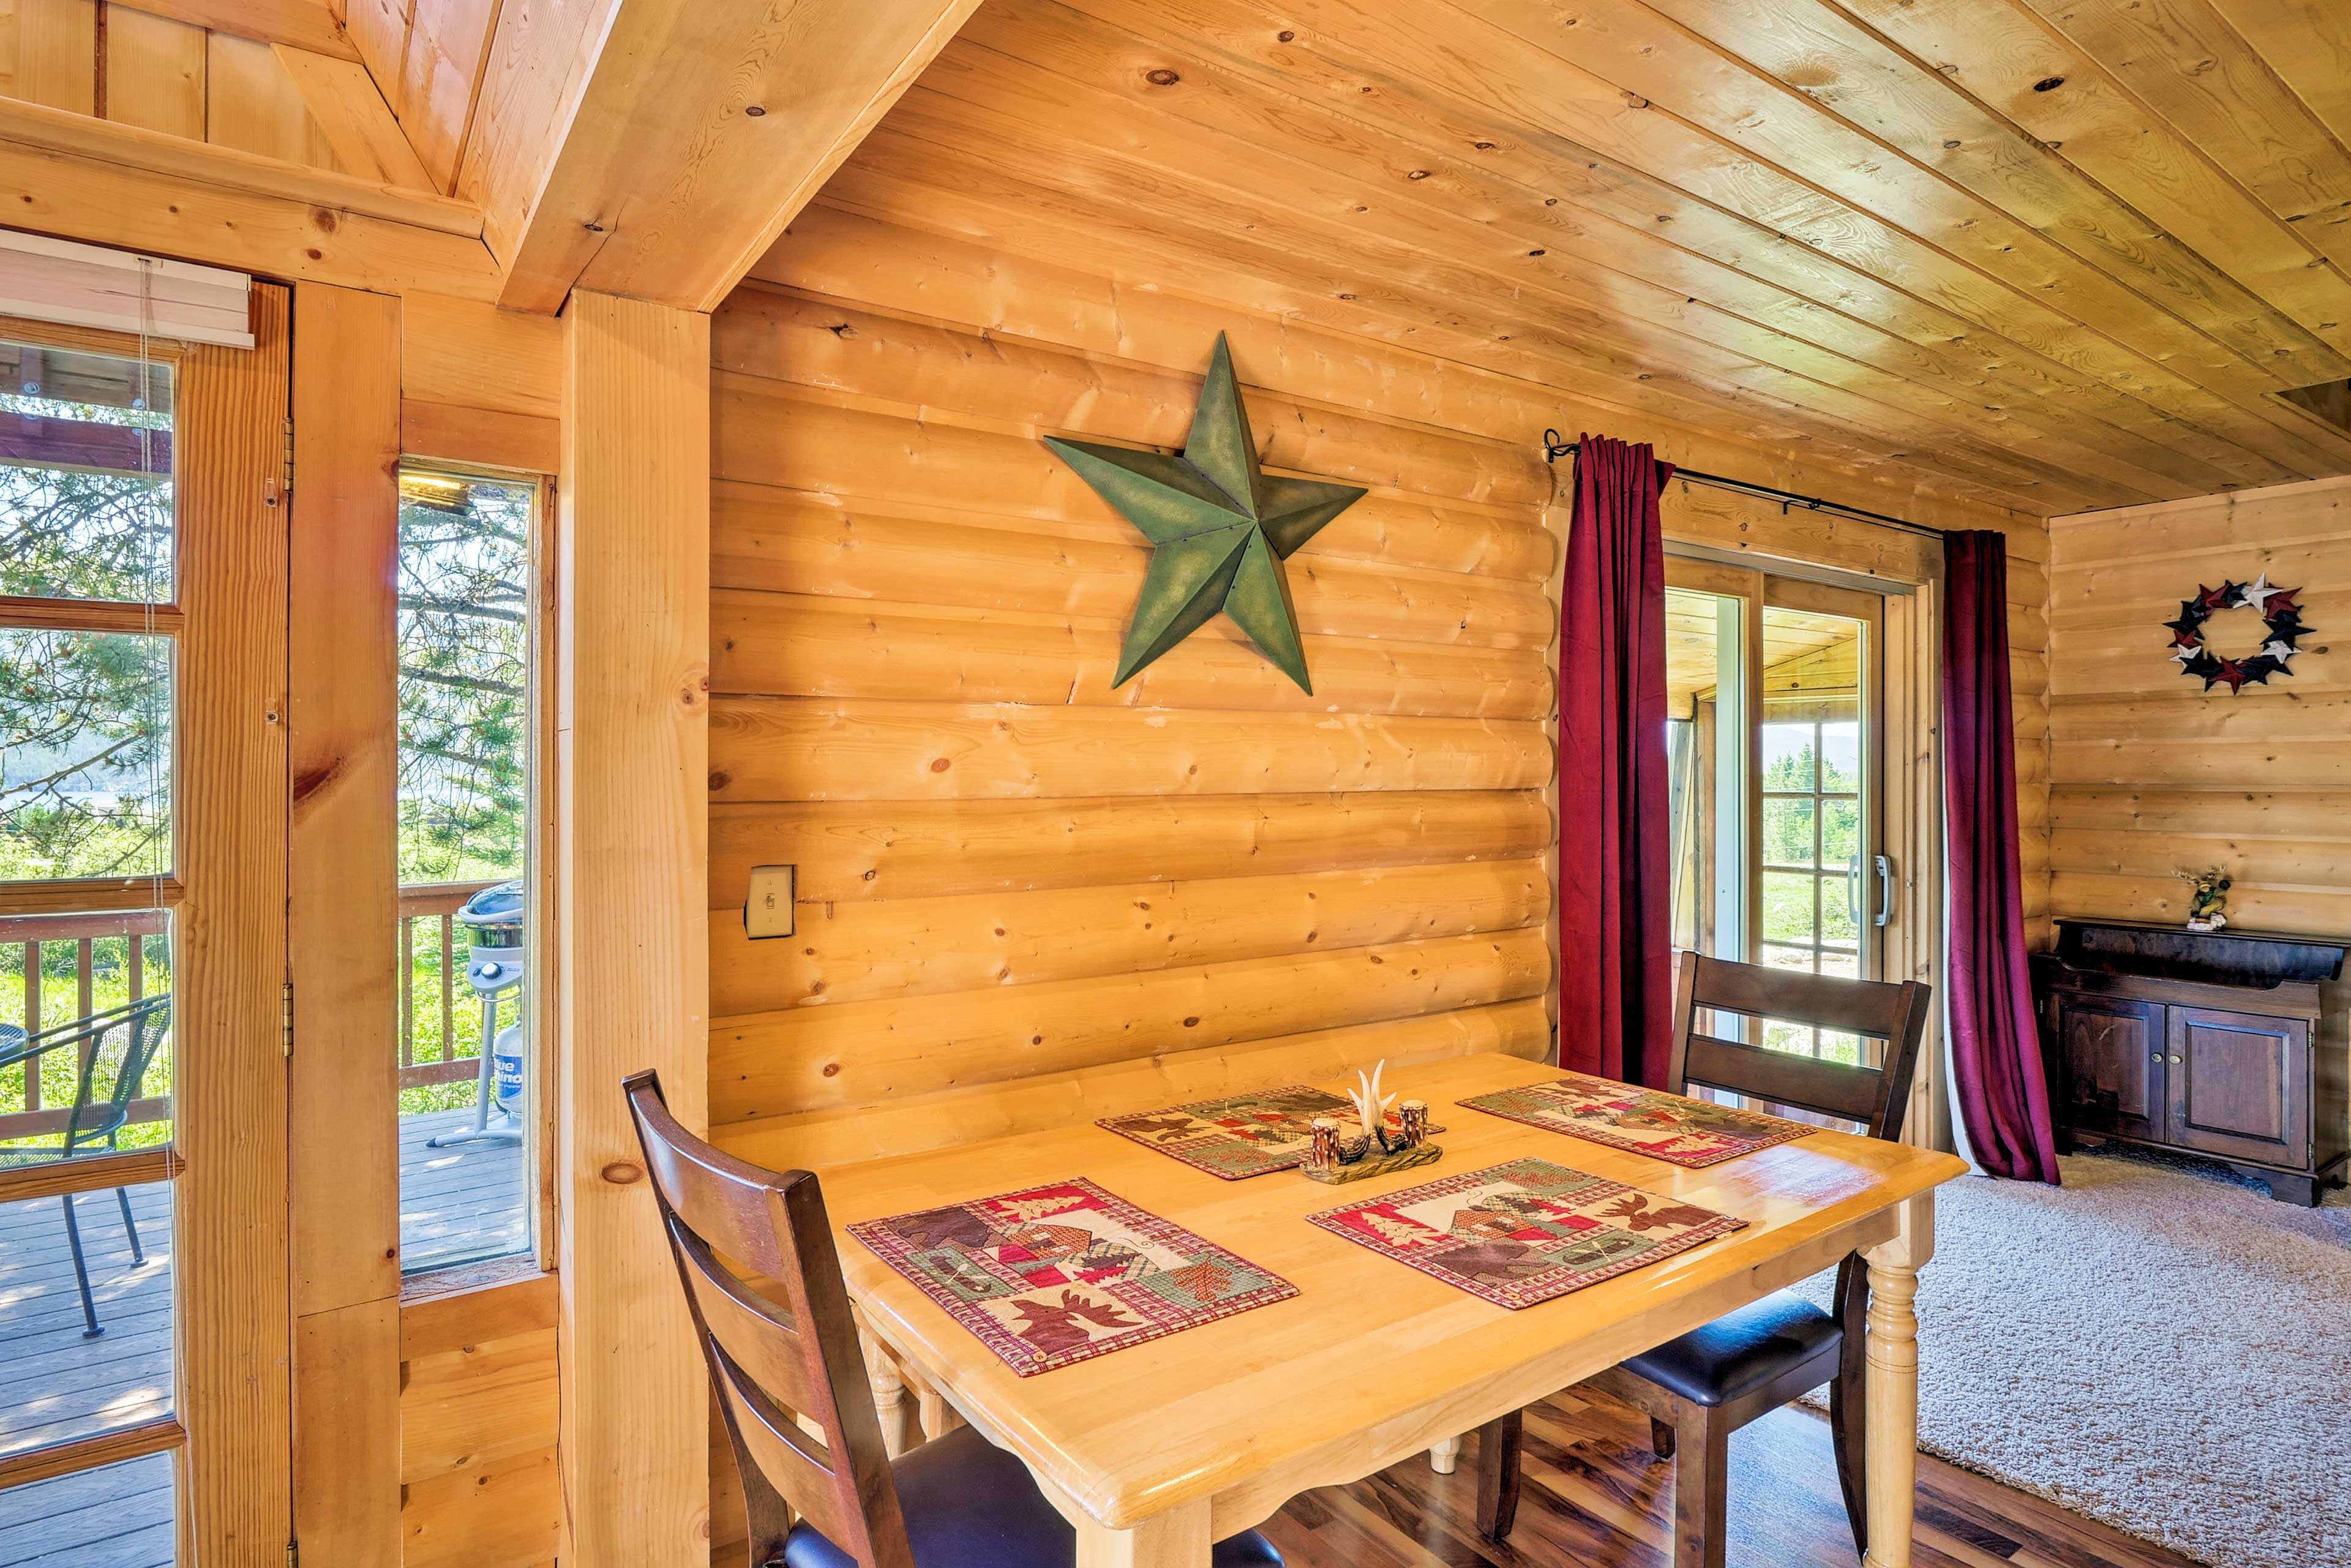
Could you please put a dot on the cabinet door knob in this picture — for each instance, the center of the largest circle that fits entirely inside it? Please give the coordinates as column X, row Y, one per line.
column 2174, row 1061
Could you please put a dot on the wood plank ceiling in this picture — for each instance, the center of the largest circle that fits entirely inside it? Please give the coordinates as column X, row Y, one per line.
column 2052, row 254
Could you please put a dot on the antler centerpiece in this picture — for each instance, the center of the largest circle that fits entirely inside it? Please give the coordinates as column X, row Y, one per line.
column 1370, row 1149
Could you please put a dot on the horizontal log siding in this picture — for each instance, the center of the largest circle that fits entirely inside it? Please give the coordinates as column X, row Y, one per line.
column 2148, row 774
column 1012, row 875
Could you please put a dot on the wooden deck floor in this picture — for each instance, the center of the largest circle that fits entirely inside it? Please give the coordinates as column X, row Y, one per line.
column 456, row 1205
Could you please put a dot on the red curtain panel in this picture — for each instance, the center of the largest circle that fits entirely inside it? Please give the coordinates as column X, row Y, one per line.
column 1996, row 1069
column 1615, row 960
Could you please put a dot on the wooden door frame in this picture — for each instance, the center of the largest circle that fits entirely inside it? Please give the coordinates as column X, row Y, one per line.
column 1744, row 583
column 1910, row 681
column 1913, row 833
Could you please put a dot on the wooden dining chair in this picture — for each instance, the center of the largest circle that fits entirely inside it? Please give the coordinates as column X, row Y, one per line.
column 755, row 1255
column 1699, row 1389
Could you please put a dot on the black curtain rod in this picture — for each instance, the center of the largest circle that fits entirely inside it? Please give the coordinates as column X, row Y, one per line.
column 1554, row 449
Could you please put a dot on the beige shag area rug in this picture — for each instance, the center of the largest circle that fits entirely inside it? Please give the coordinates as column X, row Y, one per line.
column 2156, row 1345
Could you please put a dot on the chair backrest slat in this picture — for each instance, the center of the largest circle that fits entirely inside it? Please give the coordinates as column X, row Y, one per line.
column 1829, row 1088
column 779, row 1364
column 1875, row 1096
column 794, row 1463
column 755, row 1334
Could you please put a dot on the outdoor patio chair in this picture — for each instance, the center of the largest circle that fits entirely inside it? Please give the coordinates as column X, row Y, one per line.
column 122, row 1041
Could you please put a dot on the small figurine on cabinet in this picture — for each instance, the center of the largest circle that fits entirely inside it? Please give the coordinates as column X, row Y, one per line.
column 2207, row 898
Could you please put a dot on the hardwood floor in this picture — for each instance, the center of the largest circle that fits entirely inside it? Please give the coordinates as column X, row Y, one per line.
column 1595, row 1497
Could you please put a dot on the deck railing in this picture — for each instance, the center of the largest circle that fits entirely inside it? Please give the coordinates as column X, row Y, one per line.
column 111, row 947
column 434, row 906
column 109, row 955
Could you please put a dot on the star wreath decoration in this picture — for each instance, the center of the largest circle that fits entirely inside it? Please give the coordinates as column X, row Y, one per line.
column 2281, row 618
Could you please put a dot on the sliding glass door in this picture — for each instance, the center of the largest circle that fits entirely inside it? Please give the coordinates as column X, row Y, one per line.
column 1773, row 729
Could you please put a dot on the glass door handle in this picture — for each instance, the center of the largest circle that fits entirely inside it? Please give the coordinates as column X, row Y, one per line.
column 1885, row 890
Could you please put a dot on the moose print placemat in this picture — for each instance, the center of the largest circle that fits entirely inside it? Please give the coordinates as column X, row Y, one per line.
column 1059, row 1274
column 1646, row 1121
column 1525, row 1230
column 1240, row 1135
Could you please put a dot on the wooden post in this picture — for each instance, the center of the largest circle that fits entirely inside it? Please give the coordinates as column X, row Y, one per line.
column 343, row 871
column 1891, row 1439
column 229, row 1090
column 633, row 706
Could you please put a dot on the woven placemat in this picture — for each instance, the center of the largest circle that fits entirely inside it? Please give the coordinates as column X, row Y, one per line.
column 1525, row 1230
column 1646, row 1121
column 1241, row 1134
column 1054, row 1274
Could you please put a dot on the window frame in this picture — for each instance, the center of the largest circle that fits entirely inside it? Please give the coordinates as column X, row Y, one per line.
column 540, row 1256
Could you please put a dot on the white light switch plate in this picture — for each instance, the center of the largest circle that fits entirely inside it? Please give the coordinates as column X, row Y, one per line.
column 768, row 912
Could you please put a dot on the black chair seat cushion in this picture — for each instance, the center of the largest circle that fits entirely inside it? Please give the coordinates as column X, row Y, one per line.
column 1737, row 1353
column 969, row 1504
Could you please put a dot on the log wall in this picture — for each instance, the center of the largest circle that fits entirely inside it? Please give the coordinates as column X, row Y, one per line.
column 1009, row 871
column 2152, row 775
column 1010, row 874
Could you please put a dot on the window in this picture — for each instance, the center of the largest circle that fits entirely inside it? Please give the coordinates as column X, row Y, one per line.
column 1770, row 709
column 1812, row 863
column 89, row 633
column 467, row 1066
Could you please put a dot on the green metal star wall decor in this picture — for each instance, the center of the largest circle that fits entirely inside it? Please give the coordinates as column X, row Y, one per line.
column 1220, row 528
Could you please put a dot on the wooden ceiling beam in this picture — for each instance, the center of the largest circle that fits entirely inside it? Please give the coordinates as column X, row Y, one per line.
column 349, row 107
column 77, row 178
column 654, row 148
column 1300, row 103
column 298, row 24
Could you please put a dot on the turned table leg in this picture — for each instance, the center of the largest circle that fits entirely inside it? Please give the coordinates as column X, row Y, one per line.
column 888, row 1394
column 1892, row 1441
column 1176, row 1538
column 1443, row 1456
column 937, row 1416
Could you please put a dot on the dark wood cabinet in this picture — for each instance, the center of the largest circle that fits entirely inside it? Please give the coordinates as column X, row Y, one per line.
column 2110, row 1059
column 2235, row 1046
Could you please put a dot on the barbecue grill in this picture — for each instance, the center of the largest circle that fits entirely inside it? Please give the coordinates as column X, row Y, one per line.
column 495, row 963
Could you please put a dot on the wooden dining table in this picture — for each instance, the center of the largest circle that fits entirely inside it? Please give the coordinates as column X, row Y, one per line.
column 1155, row 1451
